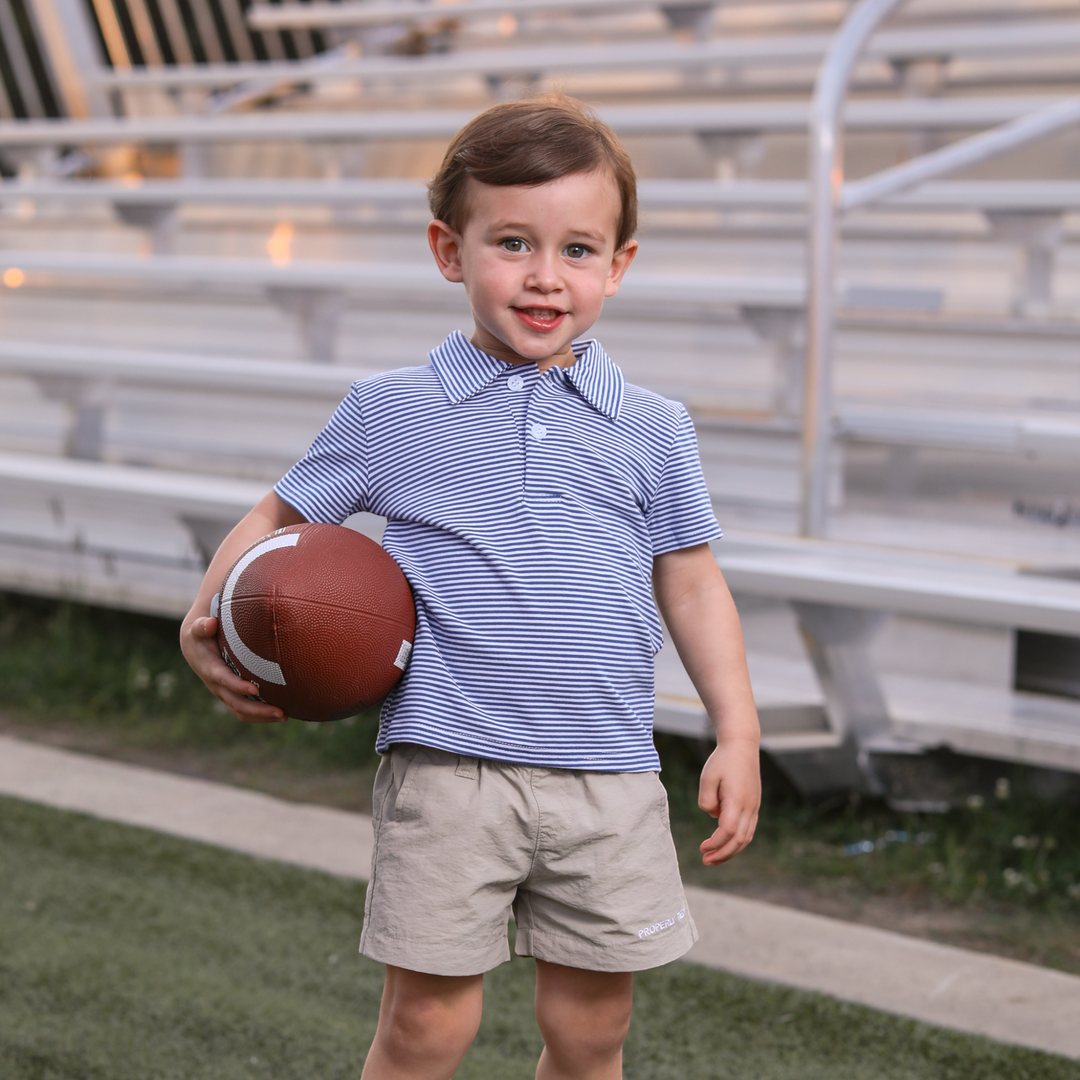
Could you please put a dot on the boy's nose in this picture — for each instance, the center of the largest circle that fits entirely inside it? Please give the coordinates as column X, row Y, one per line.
column 544, row 275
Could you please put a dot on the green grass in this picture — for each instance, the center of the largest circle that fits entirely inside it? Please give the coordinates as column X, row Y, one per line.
column 1003, row 875
column 125, row 955
column 123, row 672
column 1018, row 849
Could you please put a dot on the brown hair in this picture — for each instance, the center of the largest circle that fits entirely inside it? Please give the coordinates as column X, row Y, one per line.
column 532, row 142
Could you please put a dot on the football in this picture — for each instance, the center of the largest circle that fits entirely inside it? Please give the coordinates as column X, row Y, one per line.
column 319, row 617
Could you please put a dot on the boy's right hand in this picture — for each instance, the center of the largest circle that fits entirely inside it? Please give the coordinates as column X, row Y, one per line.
column 199, row 630
column 198, row 642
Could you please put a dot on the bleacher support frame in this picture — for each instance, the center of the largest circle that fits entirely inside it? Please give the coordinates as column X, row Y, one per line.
column 827, row 198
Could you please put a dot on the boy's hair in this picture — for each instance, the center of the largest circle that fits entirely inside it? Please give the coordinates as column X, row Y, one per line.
column 532, row 142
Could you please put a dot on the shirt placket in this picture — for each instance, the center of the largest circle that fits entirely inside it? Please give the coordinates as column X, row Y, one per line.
column 538, row 434
column 520, row 384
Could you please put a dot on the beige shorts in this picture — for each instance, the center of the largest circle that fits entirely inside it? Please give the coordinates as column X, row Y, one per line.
column 584, row 860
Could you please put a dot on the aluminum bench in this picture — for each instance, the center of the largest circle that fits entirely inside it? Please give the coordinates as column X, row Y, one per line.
column 734, row 118
column 359, row 13
column 746, row 461
column 314, row 291
column 110, row 534
column 939, row 44
column 122, row 536
column 83, row 377
column 825, row 735
column 1021, row 196
column 1028, row 213
column 376, row 12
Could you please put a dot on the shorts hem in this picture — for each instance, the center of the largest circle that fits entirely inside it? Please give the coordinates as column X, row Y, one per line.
column 556, row 949
column 434, row 959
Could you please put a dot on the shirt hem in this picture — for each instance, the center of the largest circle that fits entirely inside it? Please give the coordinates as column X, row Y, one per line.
column 539, row 760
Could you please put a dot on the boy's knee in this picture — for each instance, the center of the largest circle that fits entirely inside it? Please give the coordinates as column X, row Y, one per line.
column 582, row 1034
column 585, row 1026
column 418, row 1020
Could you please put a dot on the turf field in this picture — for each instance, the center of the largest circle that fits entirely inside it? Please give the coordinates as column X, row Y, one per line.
column 125, row 955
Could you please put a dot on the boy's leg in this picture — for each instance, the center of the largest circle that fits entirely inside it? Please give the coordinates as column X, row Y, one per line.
column 584, row 1017
column 426, row 1023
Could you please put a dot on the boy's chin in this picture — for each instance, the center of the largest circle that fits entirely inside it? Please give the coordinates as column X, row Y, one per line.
column 543, row 350
column 522, row 349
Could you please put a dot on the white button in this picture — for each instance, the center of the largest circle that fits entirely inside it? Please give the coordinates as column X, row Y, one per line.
column 515, row 382
column 538, row 431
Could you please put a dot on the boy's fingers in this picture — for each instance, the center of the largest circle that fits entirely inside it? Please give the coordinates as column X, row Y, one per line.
column 235, row 692
column 205, row 627
column 252, row 712
column 219, row 677
column 228, row 681
column 709, row 794
column 725, row 848
column 728, row 839
column 208, row 665
column 719, row 839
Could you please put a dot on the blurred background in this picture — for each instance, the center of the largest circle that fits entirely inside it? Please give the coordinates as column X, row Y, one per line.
column 859, row 269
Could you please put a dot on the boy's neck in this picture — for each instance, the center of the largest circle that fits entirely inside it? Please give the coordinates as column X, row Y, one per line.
column 488, row 343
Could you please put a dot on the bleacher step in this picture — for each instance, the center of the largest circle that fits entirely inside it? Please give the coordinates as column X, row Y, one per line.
column 985, row 721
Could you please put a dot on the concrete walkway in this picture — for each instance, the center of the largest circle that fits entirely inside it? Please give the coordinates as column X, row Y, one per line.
column 974, row 992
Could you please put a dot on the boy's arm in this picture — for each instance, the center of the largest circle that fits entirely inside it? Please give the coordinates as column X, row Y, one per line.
column 198, row 631
column 700, row 614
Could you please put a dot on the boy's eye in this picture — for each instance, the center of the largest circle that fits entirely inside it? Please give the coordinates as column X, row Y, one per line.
column 513, row 243
column 576, row 251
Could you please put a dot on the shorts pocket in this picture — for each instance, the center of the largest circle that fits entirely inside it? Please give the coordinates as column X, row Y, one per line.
column 406, row 764
column 382, row 790
column 660, row 806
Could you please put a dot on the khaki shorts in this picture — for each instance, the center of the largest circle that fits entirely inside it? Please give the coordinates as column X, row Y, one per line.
column 584, row 860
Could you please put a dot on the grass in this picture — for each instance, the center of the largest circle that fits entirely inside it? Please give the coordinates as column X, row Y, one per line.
column 998, row 876
column 115, row 682
column 126, row 955
column 1019, row 848
column 1002, row 874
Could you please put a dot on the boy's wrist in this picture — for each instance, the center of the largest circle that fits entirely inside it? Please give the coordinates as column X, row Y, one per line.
column 726, row 737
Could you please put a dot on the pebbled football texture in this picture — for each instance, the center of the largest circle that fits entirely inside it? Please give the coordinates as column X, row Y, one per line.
column 319, row 617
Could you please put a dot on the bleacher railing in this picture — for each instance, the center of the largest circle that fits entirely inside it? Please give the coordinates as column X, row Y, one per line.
column 828, row 196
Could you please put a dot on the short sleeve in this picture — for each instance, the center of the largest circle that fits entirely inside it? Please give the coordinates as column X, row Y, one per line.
column 330, row 481
column 680, row 514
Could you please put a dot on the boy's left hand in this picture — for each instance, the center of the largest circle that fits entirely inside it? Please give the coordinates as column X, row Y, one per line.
column 730, row 791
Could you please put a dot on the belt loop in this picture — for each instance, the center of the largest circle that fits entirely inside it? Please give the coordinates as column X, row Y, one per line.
column 468, row 767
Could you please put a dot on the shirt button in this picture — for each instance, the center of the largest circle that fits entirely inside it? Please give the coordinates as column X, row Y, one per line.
column 515, row 382
column 538, row 431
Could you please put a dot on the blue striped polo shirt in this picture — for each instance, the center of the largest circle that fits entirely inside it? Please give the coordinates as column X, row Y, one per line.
column 525, row 510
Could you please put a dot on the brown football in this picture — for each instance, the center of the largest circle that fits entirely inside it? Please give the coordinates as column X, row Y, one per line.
column 319, row 617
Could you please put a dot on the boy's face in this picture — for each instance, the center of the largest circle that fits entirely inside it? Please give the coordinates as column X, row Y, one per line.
column 537, row 263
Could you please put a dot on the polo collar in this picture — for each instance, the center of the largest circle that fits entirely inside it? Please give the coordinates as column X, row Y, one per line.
column 597, row 378
column 464, row 370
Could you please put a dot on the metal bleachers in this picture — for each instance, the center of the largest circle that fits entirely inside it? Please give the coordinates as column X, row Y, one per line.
column 1042, row 38
column 889, row 427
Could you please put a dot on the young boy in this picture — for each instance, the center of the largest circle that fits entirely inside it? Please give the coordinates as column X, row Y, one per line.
column 535, row 503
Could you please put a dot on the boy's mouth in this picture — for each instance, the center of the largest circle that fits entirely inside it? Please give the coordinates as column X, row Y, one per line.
column 540, row 318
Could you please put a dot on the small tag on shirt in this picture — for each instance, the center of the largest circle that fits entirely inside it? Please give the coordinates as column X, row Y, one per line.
column 403, row 655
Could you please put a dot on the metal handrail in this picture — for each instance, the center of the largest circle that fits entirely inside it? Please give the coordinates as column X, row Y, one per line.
column 826, row 185
column 961, row 154
column 828, row 196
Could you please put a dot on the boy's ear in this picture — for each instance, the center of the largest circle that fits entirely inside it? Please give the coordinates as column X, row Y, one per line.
column 619, row 263
column 445, row 245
